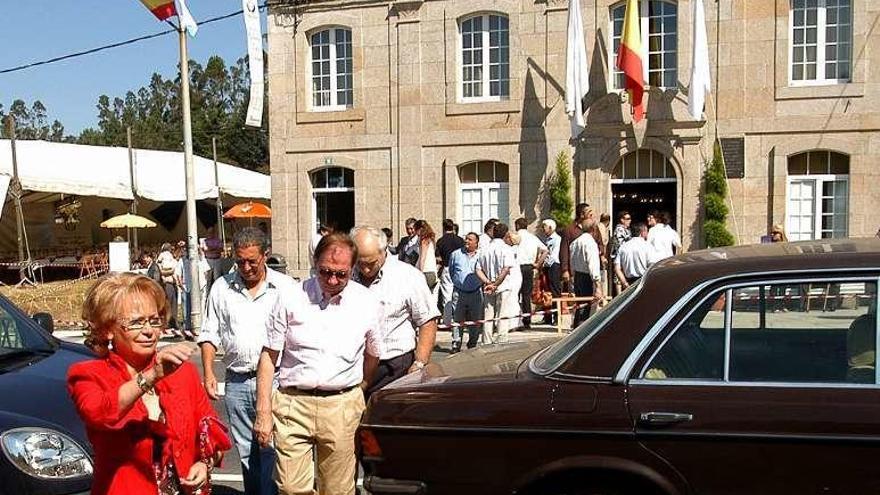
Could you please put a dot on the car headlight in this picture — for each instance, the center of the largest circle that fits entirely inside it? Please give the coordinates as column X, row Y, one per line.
column 45, row 453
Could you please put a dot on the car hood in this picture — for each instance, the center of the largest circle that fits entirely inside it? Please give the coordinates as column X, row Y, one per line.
column 36, row 395
column 496, row 362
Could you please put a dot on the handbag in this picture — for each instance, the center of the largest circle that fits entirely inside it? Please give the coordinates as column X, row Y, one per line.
column 212, row 439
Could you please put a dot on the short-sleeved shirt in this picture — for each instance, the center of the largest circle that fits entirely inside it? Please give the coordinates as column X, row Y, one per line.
column 495, row 258
column 406, row 305
column 663, row 239
column 633, row 257
column 552, row 241
column 446, row 245
column 585, row 256
column 322, row 345
column 529, row 247
column 236, row 321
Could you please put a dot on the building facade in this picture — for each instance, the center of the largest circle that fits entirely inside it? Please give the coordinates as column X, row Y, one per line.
column 380, row 111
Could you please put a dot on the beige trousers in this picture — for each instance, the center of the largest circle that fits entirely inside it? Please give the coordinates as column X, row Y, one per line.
column 313, row 429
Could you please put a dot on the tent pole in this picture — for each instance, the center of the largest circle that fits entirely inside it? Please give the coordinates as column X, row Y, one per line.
column 15, row 188
column 219, row 195
column 133, row 233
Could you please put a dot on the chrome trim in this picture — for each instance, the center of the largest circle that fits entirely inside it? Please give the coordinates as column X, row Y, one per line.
column 567, row 377
column 728, row 322
column 608, row 316
column 806, row 275
column 718, row 383
column 780, row 437
column 512, row 430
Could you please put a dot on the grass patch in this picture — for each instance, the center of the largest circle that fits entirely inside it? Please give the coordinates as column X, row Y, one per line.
column 63, row 300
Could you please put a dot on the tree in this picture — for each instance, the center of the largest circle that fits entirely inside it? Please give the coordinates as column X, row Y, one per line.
column 715, row 229
column 218, row 103
column 559, row 185
column 32, row 122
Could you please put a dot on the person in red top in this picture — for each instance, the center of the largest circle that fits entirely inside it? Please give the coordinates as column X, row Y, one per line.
column 146, row 413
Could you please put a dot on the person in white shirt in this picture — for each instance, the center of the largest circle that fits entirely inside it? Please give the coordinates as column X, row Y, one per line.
column 316, row 238
column 495, row 263
column 632, row 258
column 486, row 237
column 661, row 236
column 238, row 307
column 409, row 312
column 167, row 266
column 326, row 331
column 183, row 278
column 587, row 267
column 530, row 254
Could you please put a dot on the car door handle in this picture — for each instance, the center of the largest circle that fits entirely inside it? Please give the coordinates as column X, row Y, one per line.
column 655, row 418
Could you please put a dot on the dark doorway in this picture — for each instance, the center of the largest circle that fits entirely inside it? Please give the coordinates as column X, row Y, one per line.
column 640, row 198
column 335, row 209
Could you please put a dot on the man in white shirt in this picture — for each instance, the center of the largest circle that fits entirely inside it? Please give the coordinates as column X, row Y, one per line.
column 552, row 267
column 182, row 276
column 661, row 236
column 493, row 269
column 632, row 258
column 531, row 253
column 326, row 331
column 409, row 312
column 486, row 237
column 238, row 307
column 587, row 267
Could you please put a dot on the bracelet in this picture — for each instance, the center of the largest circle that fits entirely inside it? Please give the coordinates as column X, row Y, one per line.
column 142, row 383
column 418, row 364
column 209, row 462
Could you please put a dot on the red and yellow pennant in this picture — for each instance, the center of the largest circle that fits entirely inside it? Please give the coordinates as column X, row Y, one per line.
column 162, row 9
column 629, row 59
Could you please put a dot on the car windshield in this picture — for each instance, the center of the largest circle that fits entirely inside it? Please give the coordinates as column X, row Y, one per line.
column 556, row 354
column 20, row 337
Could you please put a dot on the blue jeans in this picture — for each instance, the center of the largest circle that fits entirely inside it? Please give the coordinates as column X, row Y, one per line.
column 241, row 406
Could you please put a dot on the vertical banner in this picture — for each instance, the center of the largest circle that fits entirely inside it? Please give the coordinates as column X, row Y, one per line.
column 255, row 61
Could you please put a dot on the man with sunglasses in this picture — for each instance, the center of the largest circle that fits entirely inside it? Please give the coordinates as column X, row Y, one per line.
column 409, row 314
column 238, row 307
column 326, row 331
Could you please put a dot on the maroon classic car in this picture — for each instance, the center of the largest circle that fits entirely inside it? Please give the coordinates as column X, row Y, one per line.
column 740, row 370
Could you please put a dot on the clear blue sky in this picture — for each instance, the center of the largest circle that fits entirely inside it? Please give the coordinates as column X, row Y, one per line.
column 40, row 29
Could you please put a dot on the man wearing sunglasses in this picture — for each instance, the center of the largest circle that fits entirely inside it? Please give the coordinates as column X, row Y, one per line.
column 238, row 307
column 326, row 331
column 409, row 313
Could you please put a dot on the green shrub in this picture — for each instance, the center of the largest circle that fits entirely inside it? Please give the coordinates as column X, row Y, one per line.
column 716, row 234
column 559, row 186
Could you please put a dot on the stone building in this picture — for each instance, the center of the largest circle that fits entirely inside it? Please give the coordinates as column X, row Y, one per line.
column 381, row 111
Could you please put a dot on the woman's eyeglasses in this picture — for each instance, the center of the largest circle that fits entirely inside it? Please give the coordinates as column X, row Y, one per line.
column 141, row 323
column 327, row 273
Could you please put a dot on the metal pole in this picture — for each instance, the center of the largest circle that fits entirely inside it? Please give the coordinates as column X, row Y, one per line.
column 195, row 292
column 15, row 186
column 134, row 201
column 219, row 195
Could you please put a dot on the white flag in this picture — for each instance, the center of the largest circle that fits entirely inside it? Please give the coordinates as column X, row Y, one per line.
column 186, row 19
column 700, row 78
column 577, row 81
column 252, row 26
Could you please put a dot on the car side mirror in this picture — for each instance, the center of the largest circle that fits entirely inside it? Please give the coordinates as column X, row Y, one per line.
column 45, row 321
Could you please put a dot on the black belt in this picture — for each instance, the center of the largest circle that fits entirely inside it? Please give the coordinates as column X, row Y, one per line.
column 317, row 392
column 249, row 374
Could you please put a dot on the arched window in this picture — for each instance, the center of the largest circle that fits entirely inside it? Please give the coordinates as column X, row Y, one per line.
column 484, row 58
column 659, row 28
column 818, row 195
column 331, row 69
column 483, row 194
column 647, row 165
column 333, row 197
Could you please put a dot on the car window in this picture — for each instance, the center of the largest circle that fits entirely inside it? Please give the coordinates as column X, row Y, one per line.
column 812, row 332
column 17, row 331
column 815, row 332
column 561, row 350
column 696, row 349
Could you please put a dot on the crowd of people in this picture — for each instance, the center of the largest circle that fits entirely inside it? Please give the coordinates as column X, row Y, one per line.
column 301, row 358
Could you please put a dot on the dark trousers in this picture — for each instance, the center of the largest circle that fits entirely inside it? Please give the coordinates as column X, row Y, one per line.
column 390, row 370
column 525, row 293
column 583, row 286
column 554, row 280
column 171, row 296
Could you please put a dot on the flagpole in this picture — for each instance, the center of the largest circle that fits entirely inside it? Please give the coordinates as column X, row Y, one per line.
column 195, row 292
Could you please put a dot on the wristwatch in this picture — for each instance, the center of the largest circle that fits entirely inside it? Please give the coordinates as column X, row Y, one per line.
column 418, row 364
column 142, row 383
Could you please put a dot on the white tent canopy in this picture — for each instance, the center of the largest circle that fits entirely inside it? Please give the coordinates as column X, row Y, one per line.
column 104, row 171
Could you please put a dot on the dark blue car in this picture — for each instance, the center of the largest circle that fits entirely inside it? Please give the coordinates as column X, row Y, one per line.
column 44, row 445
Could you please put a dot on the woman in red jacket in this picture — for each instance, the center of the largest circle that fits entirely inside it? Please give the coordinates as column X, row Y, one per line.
column 146, row 413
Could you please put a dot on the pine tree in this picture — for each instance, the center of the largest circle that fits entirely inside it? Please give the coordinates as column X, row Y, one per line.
column 559, row 185
column 715, row 231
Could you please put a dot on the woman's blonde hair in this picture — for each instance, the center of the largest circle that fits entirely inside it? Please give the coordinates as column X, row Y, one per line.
column 103, row 301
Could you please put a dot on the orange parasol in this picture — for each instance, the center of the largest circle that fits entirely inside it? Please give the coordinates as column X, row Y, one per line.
column 249, row 210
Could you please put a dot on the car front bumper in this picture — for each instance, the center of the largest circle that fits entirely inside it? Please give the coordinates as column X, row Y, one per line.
column 381, row 486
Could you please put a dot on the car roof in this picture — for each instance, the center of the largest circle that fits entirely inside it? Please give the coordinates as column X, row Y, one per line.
column 689, row 269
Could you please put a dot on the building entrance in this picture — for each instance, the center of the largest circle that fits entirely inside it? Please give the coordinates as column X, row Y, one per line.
column 333, row 198
column 644, row 181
